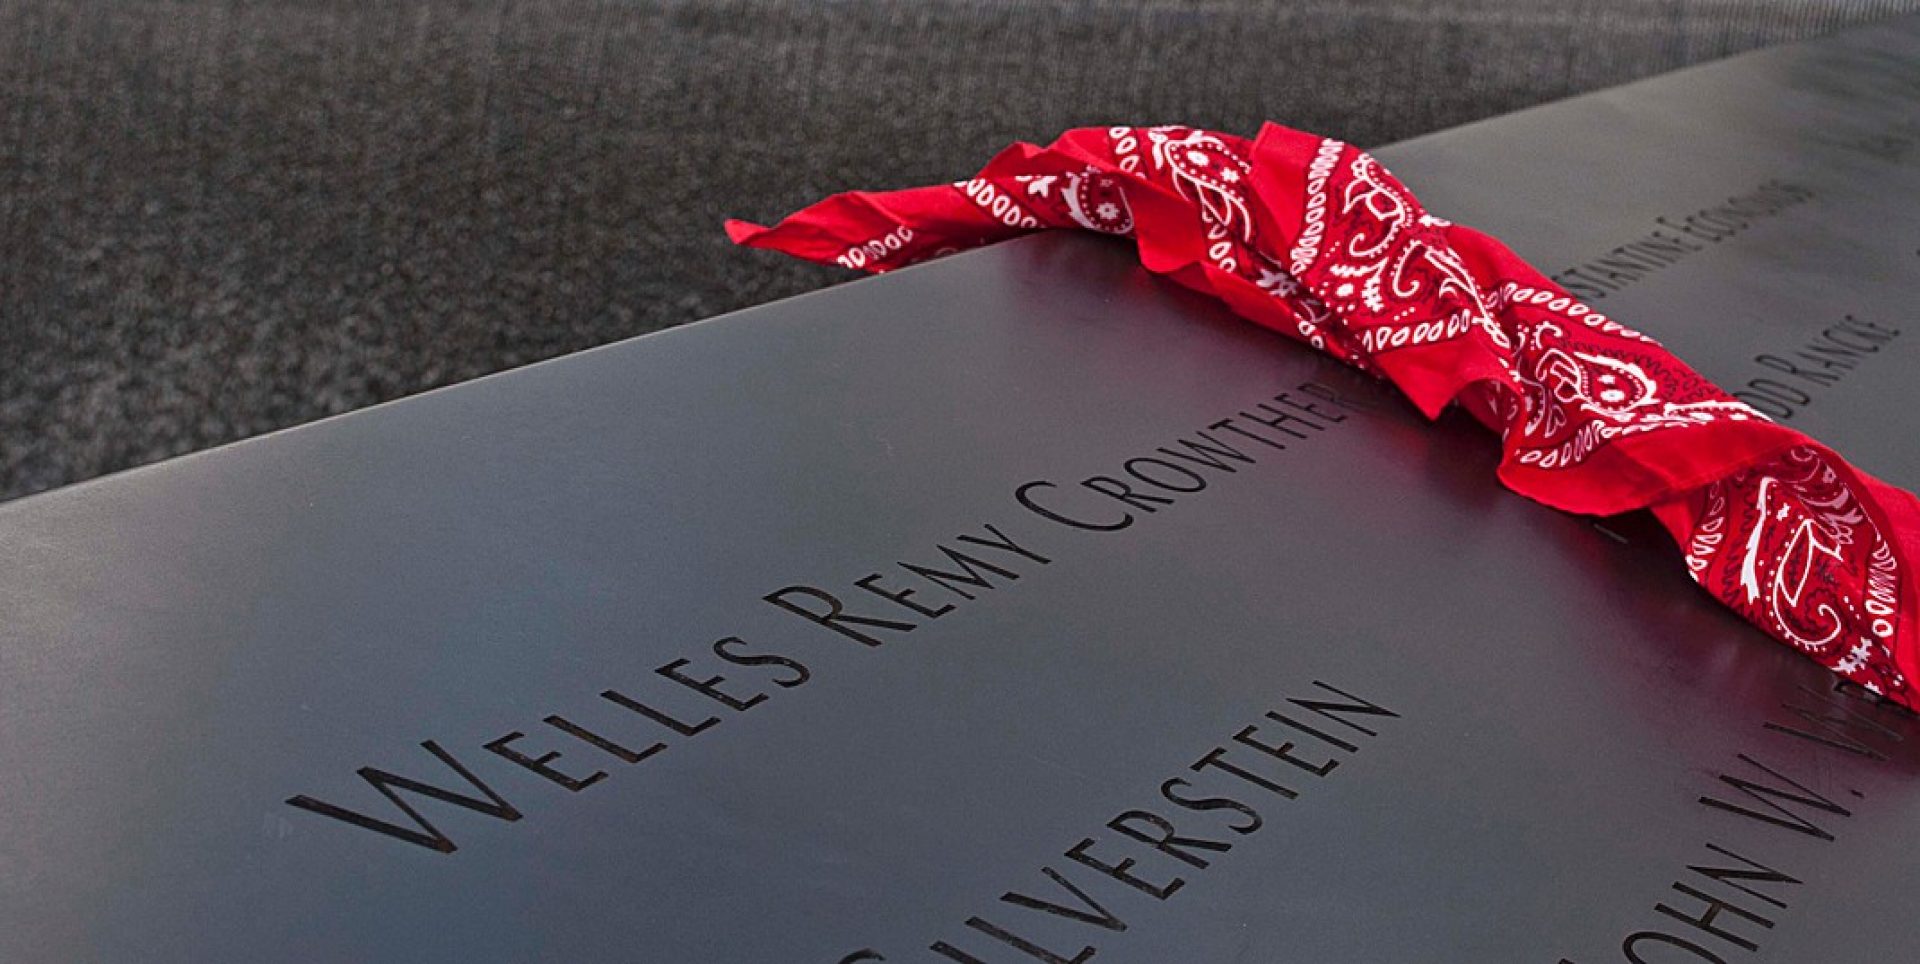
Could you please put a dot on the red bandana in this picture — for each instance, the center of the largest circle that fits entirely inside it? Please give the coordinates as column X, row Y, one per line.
column 1313, row 238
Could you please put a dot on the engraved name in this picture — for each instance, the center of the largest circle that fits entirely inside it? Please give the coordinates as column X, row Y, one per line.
column 581, row 746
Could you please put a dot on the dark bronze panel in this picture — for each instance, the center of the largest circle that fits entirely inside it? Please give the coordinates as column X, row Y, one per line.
column 1324, row 692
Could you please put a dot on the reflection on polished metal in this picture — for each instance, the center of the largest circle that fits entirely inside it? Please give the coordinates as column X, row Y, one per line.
column 1016, row 607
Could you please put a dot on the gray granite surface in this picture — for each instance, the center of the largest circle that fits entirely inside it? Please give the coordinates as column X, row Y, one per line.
column 222, row 218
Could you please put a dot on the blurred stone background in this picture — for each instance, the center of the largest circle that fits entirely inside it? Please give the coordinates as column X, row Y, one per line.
column 222, row 218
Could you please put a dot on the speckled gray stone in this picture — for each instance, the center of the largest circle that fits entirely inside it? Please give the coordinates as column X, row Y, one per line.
column 222, row 218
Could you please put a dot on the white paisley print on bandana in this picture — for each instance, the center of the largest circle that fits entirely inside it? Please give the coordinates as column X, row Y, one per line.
column 1314, row 239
